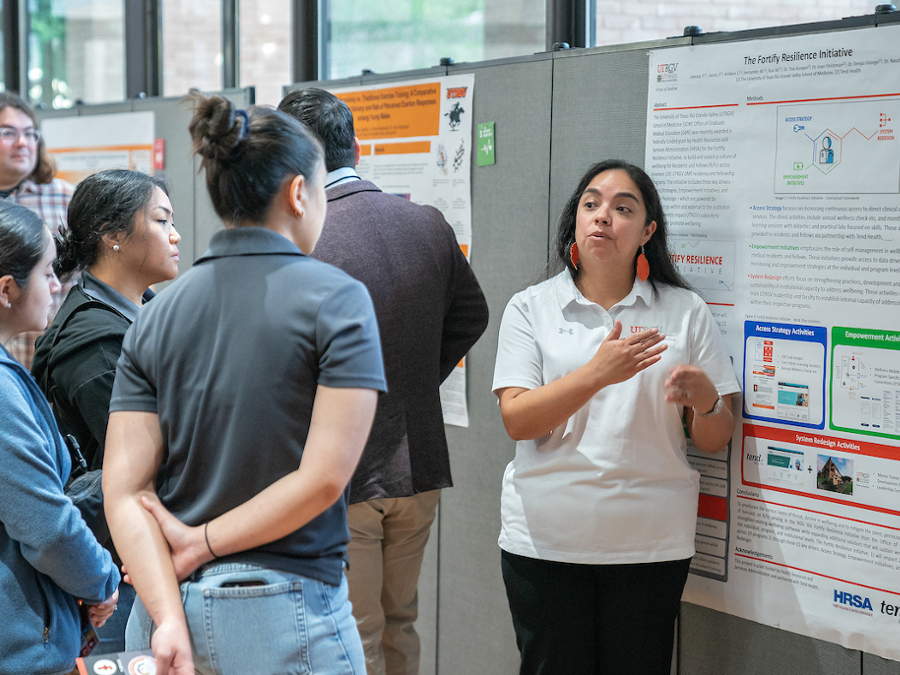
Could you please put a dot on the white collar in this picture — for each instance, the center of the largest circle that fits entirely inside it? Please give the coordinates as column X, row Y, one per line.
column 568, row 292
column 338, row 176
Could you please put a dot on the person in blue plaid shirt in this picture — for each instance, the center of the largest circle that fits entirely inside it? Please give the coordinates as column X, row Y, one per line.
column 27, row 177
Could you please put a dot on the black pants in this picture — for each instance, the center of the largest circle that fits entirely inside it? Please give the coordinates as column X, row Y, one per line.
column 594, row 619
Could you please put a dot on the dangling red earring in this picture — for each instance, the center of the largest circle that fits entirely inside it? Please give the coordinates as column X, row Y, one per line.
column 643, row 267
column 573, row 254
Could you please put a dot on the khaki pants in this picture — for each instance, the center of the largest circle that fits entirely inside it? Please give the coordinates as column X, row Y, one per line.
column 386, row 550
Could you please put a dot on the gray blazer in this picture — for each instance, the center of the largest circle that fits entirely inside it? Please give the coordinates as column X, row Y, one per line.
column 430, row 311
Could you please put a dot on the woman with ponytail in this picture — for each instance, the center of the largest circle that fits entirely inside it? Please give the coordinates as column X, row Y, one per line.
column 243, row 398
column 49, row 560
column 599, row 372
column 121, row 237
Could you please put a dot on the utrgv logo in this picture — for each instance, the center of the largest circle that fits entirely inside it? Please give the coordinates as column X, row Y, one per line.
column 666, row 67
column 638, row 329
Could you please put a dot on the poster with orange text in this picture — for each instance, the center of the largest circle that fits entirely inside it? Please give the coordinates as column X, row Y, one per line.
column 416, row 142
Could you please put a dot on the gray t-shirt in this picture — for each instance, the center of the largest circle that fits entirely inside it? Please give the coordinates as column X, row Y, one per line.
column 229, row 357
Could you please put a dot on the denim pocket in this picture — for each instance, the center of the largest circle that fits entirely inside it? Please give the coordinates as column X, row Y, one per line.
column 258, row 629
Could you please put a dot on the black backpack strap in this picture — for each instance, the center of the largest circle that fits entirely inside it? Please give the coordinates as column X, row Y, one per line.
column 79, row 466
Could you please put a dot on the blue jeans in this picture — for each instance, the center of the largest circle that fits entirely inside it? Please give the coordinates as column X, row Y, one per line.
column 247, row 619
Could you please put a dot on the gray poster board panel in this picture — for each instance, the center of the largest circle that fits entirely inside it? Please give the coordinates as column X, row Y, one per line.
column 713, row 642
column 509, row 229
column 875, row 665
column 599, row 112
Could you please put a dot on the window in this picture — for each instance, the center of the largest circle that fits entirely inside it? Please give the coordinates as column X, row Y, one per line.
column 622, row 22
column 76, row 51
column 265, row 53
column 191, row 46
column 394, row 35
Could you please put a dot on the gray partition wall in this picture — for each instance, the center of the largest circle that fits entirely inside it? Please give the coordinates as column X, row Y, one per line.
column 195, row 219
column 555, row 114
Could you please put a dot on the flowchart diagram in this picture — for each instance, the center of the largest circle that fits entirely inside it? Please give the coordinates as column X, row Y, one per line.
column 837, row 148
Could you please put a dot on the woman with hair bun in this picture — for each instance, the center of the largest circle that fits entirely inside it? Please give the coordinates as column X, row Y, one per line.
column 49, row 560
column 121, row 237
column 600, row 371
column 242, row 401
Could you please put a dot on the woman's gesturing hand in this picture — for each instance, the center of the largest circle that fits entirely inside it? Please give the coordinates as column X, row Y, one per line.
column 690, row 386
column 617, row 360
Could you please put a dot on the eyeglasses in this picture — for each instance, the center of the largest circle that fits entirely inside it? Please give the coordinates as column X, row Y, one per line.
column 10, row 135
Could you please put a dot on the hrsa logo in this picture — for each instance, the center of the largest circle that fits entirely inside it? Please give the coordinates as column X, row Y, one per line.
column 666, row 67
column 857, row 601
column 456, row 92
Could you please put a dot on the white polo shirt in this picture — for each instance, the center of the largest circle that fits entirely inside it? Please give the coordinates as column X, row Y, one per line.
column 613, row 484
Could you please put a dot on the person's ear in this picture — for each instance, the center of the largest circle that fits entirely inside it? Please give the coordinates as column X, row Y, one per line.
column 648, row 232
column 295, row 196
column 9, row 290
column 112, row 241
column 356, row 151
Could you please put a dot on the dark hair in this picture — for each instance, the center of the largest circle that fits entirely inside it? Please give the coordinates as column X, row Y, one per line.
column 23, row 240
column 105, row 202
column 329, row 118
column 247, row 162
column 44, row 168
column 662, row 271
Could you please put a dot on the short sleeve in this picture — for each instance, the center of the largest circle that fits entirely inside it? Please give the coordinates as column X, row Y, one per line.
column 348, row 340
column 519, row 361
column 132, row 389
column 708, row 351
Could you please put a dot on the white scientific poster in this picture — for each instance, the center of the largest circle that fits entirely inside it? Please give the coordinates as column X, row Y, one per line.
column 84, row 145
column 778, row 163
column 416, row 142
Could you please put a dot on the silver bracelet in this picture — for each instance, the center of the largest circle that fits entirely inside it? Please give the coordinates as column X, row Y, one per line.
column 717, row 408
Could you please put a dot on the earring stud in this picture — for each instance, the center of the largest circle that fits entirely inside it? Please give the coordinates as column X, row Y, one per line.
column 115, row 247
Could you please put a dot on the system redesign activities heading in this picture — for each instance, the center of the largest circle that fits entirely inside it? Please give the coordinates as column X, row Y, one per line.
column 798, row 56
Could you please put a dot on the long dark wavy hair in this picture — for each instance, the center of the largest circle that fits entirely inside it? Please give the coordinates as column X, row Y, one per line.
column 662, row 271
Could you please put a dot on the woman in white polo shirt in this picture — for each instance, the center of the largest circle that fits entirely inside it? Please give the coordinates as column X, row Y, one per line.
column 599, row 371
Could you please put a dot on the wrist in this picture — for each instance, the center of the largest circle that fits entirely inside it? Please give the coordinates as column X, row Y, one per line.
column 209, row 547
column 713, row 410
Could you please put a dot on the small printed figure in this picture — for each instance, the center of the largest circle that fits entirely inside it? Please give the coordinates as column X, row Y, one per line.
column 460, row 155
column 455, row 112
column 826, row 154
column 442, row 158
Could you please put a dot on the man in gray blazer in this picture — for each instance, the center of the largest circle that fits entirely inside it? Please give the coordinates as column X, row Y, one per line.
column 430, row 311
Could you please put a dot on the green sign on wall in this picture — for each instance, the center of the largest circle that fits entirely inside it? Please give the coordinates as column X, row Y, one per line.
column 485, row 144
